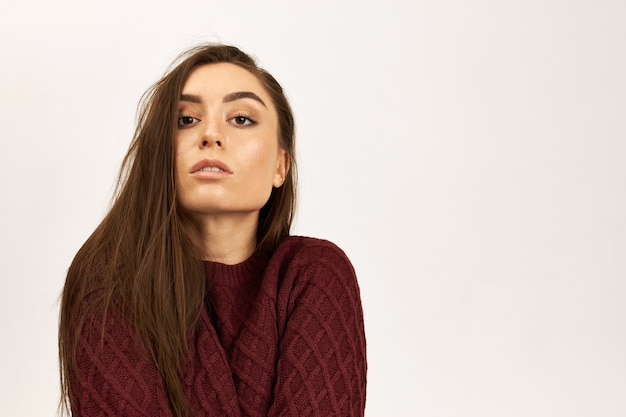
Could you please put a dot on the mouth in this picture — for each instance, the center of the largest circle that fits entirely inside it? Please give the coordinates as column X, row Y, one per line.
column 210, row 165
column 211, row 169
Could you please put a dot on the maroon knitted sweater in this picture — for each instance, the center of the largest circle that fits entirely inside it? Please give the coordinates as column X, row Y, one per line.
column 283, row 337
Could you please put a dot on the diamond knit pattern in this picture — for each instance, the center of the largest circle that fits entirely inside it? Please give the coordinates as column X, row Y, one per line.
column 280, row 335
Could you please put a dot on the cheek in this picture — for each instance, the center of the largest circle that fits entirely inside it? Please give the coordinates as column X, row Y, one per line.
column 263, row 161
column 180, row 161
column 177, row 164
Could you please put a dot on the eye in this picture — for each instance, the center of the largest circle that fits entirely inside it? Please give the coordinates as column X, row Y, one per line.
column 242, row 120
column 187, row 121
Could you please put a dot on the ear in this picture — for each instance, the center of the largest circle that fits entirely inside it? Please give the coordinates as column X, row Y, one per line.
column 282, row 168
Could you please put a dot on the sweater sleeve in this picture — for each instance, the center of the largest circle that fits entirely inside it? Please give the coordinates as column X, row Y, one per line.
column 114, row 379
column 321, row 369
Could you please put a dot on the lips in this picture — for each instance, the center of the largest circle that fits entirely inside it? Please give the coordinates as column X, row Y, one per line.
column 210, row 165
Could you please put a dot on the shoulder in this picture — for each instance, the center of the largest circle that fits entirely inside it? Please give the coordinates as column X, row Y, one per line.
column 301, row 251
column 300, row 264
column 315, row 283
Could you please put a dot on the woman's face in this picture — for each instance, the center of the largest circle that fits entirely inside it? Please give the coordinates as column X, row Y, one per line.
column 227, row 153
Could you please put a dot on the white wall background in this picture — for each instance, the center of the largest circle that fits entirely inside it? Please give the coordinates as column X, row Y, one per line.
column 469, row 156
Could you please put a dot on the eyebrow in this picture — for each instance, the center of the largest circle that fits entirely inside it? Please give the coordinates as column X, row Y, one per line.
column 192, row 98
column 242, row 94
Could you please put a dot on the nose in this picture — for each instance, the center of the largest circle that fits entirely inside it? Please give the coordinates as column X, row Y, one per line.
column 207, row 142
column 212, row 136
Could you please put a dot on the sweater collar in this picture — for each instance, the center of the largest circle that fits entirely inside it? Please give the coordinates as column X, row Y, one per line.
column 223, row 274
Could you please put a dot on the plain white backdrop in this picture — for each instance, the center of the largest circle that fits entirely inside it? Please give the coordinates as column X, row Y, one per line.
column 469, row 157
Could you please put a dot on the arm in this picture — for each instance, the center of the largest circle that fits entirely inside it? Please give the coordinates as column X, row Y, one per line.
column 113, row 376
column 322, row 361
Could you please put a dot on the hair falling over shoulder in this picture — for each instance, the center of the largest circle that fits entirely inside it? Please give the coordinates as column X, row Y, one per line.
column 141, row 262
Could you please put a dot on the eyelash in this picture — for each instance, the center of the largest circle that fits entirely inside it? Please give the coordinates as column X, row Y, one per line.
column 181, row 118
column 247, row 119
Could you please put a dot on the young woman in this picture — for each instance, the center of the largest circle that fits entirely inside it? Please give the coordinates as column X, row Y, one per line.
column 190, row 298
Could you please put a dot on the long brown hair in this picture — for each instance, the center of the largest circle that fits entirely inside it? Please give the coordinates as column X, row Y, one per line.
column 141, row 260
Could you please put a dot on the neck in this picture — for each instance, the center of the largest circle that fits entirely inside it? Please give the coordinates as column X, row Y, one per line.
column 227, row 238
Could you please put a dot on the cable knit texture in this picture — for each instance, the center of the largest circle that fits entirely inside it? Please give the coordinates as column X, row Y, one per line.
column 283, row 336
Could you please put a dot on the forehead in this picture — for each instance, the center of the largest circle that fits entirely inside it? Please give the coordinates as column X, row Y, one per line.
column 221, row 79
